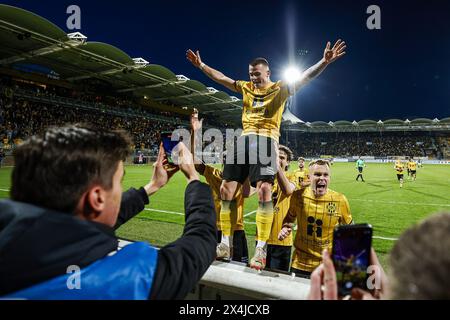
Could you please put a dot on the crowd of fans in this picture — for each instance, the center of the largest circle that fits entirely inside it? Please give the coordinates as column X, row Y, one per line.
column 444, row 146
column 98, row 100
column 20, row 119
column 386, row 144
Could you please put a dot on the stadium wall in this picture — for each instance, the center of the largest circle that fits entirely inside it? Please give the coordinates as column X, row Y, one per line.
column 384, row 160
column 8, row 161
column 235, row 281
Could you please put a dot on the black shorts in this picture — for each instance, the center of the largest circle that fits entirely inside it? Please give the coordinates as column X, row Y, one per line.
column 413, row 171
column 399, row 176
column 240, row 248
column 360, row 169
column 252, row 156
column 301, row 273
column 278, row 257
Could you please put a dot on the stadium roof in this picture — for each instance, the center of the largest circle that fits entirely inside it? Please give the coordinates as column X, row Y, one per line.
column 419, row 124
column 31, row 43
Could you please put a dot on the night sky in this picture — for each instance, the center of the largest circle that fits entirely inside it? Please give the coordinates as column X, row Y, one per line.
column 401, row 71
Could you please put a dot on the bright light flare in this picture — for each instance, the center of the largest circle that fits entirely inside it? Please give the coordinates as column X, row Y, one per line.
column 292, row 74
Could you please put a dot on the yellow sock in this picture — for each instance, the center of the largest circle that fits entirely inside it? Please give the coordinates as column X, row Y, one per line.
column 225, row 218
column 264, row 218
column 233, row 216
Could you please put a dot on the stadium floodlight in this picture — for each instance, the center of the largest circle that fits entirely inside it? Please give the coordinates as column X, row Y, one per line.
column 234, row 99
column 292, row 74
column 355, row 123
column 380, row 123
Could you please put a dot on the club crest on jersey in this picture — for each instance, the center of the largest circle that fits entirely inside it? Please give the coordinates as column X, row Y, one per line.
column 331, row 208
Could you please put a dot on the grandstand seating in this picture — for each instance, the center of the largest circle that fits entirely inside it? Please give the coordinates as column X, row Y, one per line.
column 380, row 144
column 444, row 145
column 30, row 112
column 26, row 110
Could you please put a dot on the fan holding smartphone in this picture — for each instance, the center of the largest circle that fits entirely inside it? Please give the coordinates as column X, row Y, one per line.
column 351, row 255
column 351, row 270
column 169, row 143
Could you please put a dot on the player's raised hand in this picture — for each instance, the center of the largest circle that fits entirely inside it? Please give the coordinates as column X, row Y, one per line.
column 332, row 54
column 278, row 160
column 182, row 157
column 194, row 58
column 196, row 124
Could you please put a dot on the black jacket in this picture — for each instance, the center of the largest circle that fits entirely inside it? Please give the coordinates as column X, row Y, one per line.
column 37, row 244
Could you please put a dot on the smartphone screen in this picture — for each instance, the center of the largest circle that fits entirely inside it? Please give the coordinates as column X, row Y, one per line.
column 168, row 145
column 351, row 255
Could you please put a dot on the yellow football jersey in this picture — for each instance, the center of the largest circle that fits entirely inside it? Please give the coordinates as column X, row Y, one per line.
column 280, row 210
column 301, row 176
column 412, row 165
column 399, row 167
column 263, row 108
column 316, row 219
column 213, row 177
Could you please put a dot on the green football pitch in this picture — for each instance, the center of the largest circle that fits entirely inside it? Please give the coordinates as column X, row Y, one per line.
column 379, row 201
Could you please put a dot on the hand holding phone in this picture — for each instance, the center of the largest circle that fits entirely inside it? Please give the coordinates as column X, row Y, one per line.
column 169, row 145
column 351, row 256
column 161, row 173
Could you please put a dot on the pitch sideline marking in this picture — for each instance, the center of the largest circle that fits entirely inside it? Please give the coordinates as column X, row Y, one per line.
column 384, row 238
column 249, row 214
column 402, row 202
column 164, row 211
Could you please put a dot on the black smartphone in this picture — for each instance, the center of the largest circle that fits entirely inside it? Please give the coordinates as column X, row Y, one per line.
column 169, row 145
column 351, row 256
